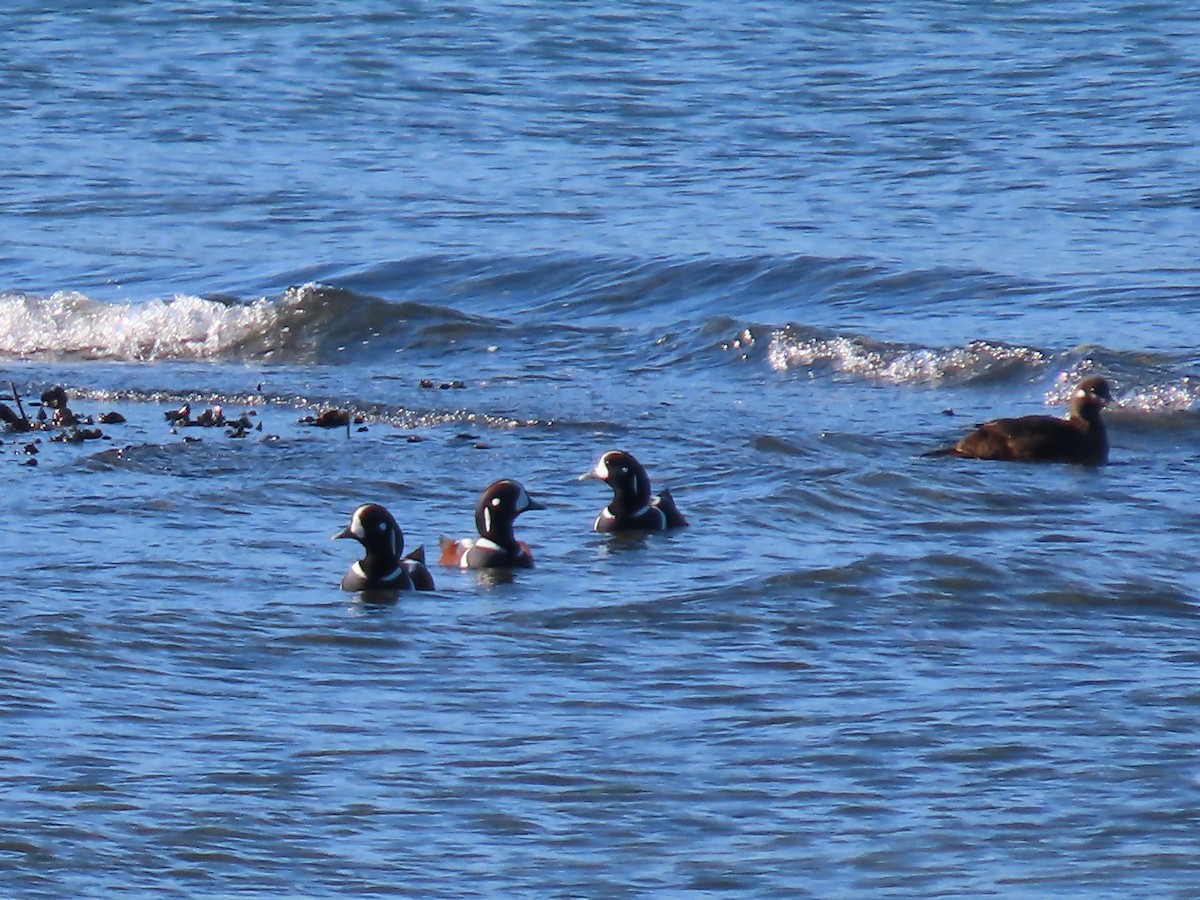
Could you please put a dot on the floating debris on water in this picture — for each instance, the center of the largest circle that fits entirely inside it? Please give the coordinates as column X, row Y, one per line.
column 333, row 418
column 68, row 426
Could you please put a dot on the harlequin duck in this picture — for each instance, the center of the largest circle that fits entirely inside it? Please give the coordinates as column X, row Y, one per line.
column 382, row 566
column 497, row 546
column 1080, row 437
column 633, row 507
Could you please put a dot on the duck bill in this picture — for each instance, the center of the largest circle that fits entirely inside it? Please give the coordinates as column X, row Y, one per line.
column 344, row 533
column 599, row 472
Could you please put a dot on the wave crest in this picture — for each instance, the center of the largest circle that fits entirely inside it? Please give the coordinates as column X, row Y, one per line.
column 793, row 347
column 311, row 322
column 71, row 325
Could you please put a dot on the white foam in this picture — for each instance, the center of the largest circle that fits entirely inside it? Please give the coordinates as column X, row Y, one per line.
column 1154, row 389
column 70, row 324
column 1177, row 397
column 896, row 363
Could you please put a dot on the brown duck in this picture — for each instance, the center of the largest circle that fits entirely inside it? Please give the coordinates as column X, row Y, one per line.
column 1079, row 438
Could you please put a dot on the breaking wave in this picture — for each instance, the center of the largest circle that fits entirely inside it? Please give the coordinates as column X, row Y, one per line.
column 580, row 320
column 72, row 326
column 1143, row 384
column 794, row 347
column 306, row 323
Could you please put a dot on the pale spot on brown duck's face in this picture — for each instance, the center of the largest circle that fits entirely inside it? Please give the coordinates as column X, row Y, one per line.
column 1090, row 396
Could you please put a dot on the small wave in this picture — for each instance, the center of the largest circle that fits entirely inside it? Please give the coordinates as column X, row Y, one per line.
column 1141, row 384
column 1177, row 396
column 794, row 347
column 320, row 321
column 307, row 322
column 69, row 325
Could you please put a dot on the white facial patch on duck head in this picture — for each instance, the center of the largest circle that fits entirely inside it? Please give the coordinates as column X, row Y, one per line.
column 1096, row 396
column 601, row 470
column 487, row 514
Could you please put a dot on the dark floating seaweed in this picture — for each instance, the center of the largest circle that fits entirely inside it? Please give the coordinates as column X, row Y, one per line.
column 64, row 425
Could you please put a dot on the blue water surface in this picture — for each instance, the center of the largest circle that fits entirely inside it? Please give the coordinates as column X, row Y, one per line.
column 776, row 249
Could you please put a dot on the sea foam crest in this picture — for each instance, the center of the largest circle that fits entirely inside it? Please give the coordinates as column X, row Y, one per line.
column 898, row 363
column 1176, row 396
column 70, row 324
column 1148, row 389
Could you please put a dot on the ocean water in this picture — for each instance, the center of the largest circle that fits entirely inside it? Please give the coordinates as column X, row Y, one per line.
column 777, row 250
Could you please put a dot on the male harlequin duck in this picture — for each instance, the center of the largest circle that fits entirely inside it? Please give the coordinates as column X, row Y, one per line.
column 382, row 567
column 633, row 507
column 1078, row 438
column 497, row 546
